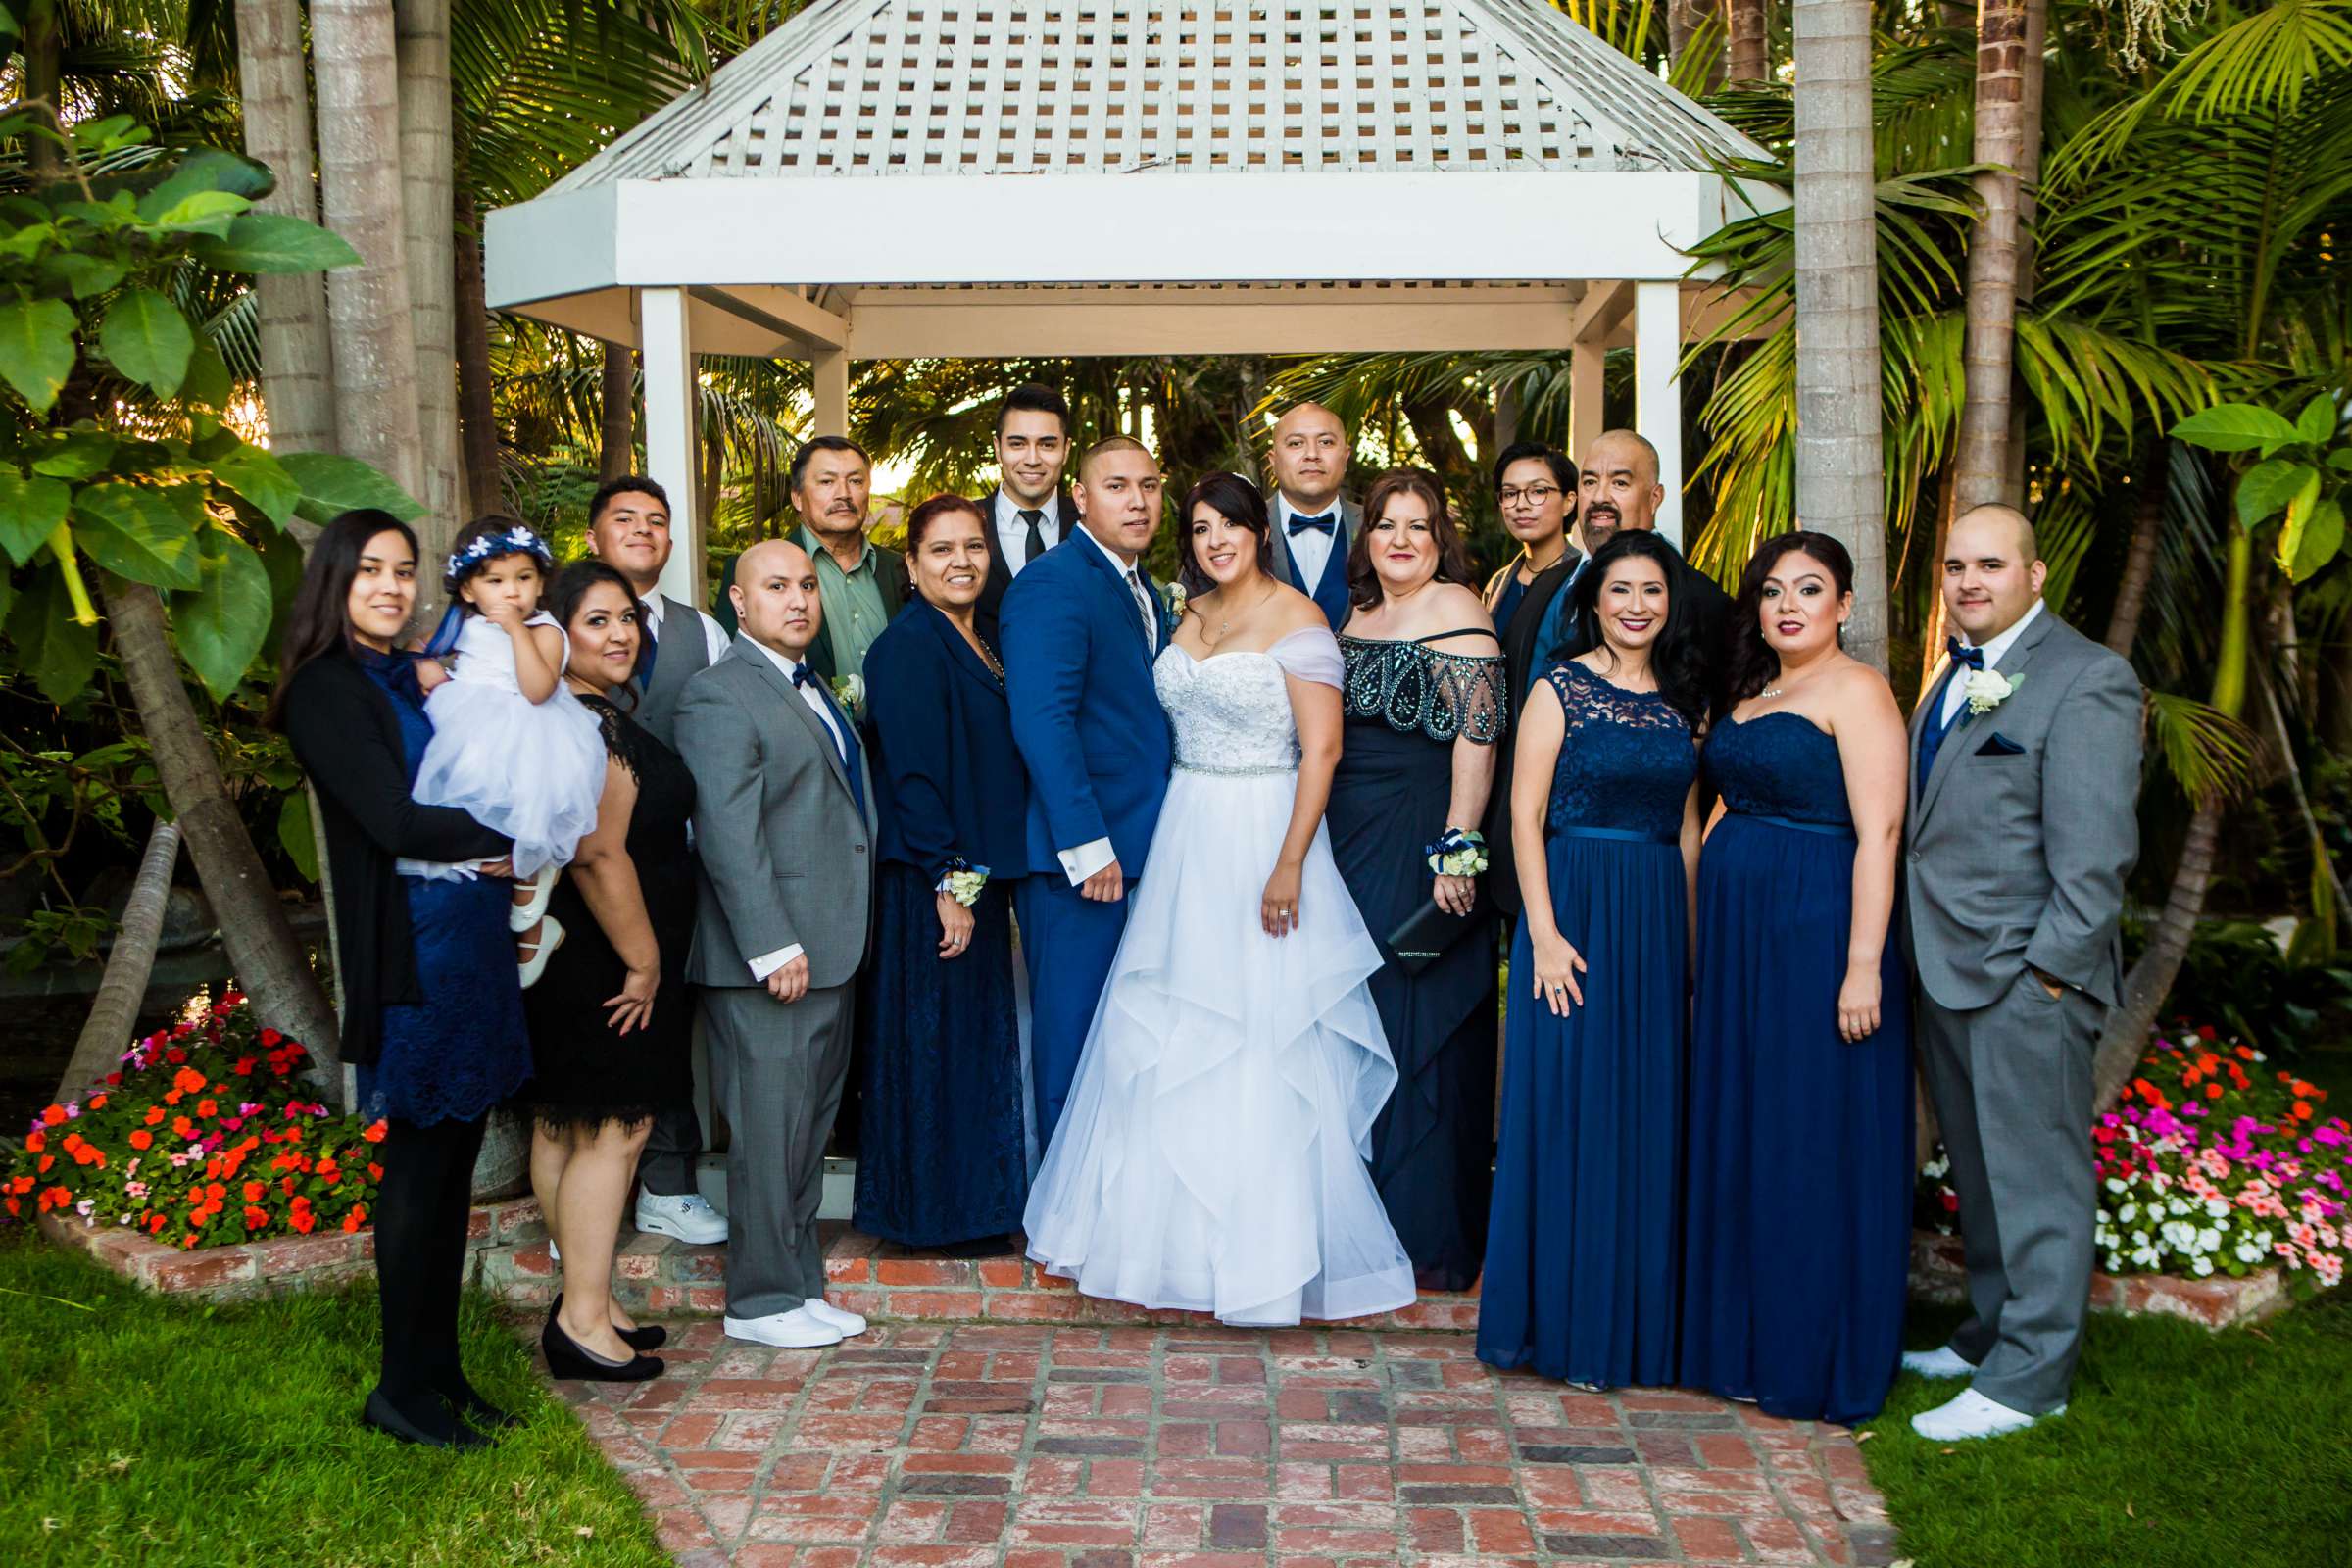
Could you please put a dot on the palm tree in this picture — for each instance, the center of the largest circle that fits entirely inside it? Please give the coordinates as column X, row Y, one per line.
column 297, row 356
column 1989, row 465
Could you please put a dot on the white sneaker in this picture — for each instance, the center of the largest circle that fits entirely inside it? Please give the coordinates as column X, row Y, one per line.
column 688, row 1216
column 1972, row 1416
column 841, row 1317
column 797, row 1330
column 1941, row 1362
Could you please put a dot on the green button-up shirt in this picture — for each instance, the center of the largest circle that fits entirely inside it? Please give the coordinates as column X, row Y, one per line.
column 855, row 614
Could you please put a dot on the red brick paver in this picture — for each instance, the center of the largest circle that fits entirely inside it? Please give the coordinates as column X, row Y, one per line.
column 1007, row 1446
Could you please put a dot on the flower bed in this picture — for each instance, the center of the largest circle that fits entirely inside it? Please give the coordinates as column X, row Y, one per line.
column 205, row 1136
column 2213, row 1165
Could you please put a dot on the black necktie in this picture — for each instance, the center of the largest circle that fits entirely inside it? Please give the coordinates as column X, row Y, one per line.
column 1961, row 653
column 653, row 646
column 1035, row 517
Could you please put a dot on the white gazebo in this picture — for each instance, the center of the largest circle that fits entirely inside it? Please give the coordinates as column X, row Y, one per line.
column 989, row 178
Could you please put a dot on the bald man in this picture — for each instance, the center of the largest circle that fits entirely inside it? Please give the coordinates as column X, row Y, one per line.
column 1313, row 524
column 783, row 820
column 1618, row 489
column 2025, row 767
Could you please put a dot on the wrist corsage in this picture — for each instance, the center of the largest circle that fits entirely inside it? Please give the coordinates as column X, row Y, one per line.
column 1457, row 854
column 963, row 881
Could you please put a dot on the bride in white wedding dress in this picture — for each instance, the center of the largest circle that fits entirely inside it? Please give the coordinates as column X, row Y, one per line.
column 1211, row 1152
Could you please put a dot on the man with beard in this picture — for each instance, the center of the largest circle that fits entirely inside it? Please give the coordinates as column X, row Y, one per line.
column 1619, row 490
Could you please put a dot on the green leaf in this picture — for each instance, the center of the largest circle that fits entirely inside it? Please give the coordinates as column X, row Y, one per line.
column 220, row 626
column 2312, row 537
column 36, row 349
column 2317, row 422
column 29, row 511
column 81, row 455
column 208, row 384
column 274, row 242
column 86, row 274
column 206, row 170
column 294, row 833
column 148, row 340
column 204, row 212
column 2235, row 427
column 58, row 652
column 2269, row 485
column 261, row 480
column 139, row 532
column 8, row 595
column 332, row 484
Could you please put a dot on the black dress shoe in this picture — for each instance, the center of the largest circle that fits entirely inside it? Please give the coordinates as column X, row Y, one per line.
column 568, row 1358
column 977, row 1246
column 448, row 1432
column 644, row 1337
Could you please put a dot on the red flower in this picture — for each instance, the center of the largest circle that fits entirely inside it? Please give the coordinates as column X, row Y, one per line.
column 245, row 1066
column 97, row 1103
column 373, row 1132
column 303, row 1221
column 154, row 1224
column 270, row 1036
column 254, row 1218
column 155, row 1113
column 375, row 1172
column 356, row 1218
column 54, row 1116
column 208, row 1107
column 141, row 1138
column 47, row 1160
column 188, row 1080
column 254, row 1191
column 35, row 1142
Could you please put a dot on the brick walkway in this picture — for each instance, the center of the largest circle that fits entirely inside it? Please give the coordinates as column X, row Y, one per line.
column 1007, row 1445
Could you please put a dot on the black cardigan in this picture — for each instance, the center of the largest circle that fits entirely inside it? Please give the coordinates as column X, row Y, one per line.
column 348, row 740
column 1520, row 657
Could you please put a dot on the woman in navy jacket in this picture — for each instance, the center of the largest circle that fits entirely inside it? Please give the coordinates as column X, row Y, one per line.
column 941, row 1159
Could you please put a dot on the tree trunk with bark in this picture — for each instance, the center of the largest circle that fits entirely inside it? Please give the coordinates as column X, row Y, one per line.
column 1840, row 458
column 429, row 219
column 122, row 987
column 2008, row 135
column 2140, row 560
column 44, row 49
column 298, row 362
column 477, row 421
column 268, row 961
column 616, row 431
column 1747, row 53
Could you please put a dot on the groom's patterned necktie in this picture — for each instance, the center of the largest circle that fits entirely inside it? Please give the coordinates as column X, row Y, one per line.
column 1142, row 607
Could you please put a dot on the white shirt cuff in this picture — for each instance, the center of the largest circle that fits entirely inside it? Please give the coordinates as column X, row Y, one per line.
column 769, row 964
column 1086, row 859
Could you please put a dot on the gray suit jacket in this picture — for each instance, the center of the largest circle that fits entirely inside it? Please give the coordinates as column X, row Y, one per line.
column 1351, row 517
column 786, row 853
column 2019, row 841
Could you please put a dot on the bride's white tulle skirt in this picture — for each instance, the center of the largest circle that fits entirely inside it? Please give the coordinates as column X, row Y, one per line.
column 1211, row 1154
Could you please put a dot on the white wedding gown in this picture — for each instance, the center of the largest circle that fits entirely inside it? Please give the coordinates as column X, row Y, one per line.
column 1211, row 1154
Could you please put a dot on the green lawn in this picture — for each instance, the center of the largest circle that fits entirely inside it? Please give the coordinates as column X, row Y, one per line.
column 2180, row 1447
column 134, row 1430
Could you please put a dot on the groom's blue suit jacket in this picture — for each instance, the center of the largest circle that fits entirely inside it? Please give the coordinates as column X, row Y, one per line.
column 1085, row 714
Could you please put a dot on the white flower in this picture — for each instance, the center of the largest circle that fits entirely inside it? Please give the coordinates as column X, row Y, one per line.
column 2251, row 1252
column 2204, row 1266
column 965, row 885
column 1173, row 594
column 2128, row 1213
column 2115, row 1183
column 1988, row 689
column 2217, row 1207
column 2177, row 1205
column 850, row 690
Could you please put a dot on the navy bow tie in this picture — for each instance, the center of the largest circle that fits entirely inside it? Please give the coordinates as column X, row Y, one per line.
column 1961, row 653
column 801, row 675
column 1325, row 524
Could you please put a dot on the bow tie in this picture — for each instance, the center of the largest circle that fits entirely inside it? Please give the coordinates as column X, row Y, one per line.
column 801, row 675
column 1961, row 653
column 1324, row 524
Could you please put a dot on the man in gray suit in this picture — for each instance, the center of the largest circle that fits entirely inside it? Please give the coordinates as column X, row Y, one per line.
column 2025, row 767
column 783, row 819
column 1312, row 523
column 628, row 529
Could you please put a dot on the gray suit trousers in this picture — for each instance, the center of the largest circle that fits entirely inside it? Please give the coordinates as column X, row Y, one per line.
column 777, row 1068
column 2011, row 1083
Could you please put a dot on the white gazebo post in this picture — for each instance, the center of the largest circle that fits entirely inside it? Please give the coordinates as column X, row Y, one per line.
column 829, row 377
column 1657, row 393
column 670, row 396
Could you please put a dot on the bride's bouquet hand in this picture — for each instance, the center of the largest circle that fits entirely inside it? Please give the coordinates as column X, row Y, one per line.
column 1278, row 909
column 1557, row 964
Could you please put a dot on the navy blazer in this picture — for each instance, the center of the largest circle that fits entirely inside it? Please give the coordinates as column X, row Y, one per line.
column 951, row 781
column 1085, row 713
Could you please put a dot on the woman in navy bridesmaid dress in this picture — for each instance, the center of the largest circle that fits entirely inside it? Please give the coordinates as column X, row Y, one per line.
column 1797, row 1232
column 1581, row 1258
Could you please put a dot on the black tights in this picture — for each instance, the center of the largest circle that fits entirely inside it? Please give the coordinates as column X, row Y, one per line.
column 421, row 1206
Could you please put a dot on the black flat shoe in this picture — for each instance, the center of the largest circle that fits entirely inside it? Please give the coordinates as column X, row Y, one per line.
column 480, row 1414
column 568, row 1358
column 383, row 1414
column 644, row 1337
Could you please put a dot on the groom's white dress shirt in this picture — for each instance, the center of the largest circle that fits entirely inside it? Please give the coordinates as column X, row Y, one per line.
column 1093, row 855
column 769, row 964
column 1956, row 691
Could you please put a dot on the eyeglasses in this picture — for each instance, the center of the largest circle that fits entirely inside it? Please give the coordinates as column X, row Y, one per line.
column 1534, row 495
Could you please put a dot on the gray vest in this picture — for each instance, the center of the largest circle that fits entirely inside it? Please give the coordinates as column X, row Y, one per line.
column 681, row 653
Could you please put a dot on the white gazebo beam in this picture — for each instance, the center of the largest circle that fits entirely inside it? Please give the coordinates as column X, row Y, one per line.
column 670, row 397
column 1599, row 317
column 786, row 312
column 1657, row 391
column 829, row 413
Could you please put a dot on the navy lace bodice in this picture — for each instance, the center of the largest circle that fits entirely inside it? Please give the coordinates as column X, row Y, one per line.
column 1626, row 758
column 1779, row 764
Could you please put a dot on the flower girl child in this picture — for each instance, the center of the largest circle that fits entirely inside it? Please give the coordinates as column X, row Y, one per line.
column 510, row 745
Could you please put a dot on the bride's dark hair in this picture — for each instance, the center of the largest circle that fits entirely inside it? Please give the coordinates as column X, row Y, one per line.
column 1237, row 502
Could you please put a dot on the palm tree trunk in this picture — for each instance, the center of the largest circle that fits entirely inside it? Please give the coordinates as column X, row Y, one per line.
column 268, row 962
column 1932, row 632
column 298, row 375
column 44, row 49
column 367, row 305
column 1748, row 23
column 1841, row 462
column 428, row 218
column 477, row 423
column 2140, row 561
column 123, row 988
column 617, row 416
column 2008, row 135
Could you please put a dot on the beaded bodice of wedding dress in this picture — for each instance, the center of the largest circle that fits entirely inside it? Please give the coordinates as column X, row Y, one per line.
column 1231, row 712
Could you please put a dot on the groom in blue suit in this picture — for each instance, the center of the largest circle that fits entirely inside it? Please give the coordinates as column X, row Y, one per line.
column 1082, row 625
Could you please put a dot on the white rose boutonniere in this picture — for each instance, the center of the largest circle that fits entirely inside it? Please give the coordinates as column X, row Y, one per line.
column 1988, row 689
column 1173, row 594
column 850, row 690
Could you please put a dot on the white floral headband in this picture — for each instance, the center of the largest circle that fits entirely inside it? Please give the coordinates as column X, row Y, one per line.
column 515, row 541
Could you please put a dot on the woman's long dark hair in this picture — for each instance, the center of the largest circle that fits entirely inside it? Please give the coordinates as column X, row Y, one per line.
column 1749, row 663
column 1239, row 503
column 1454, row 558
column 1678, row 657
column 319, row 621
column 572, row 586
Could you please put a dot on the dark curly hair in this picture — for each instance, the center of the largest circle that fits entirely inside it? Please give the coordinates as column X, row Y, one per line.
column 1454, row 558
column 572, row 586
column 1749, row 663
column 1678, row 657
column 1239, row 503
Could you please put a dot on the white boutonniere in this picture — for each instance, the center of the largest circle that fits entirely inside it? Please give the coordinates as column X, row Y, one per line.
column 1173, row 594
column 850, row 690
column 1988, row 689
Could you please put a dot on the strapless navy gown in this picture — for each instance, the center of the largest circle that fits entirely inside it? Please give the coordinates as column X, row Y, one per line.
column 1582, row 1263
column 1797, row 1233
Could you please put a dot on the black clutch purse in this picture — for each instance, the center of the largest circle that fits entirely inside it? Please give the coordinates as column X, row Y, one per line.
column 1422, row 936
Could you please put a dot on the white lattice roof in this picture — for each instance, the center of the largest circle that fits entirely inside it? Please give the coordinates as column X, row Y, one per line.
column 1114, row 87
